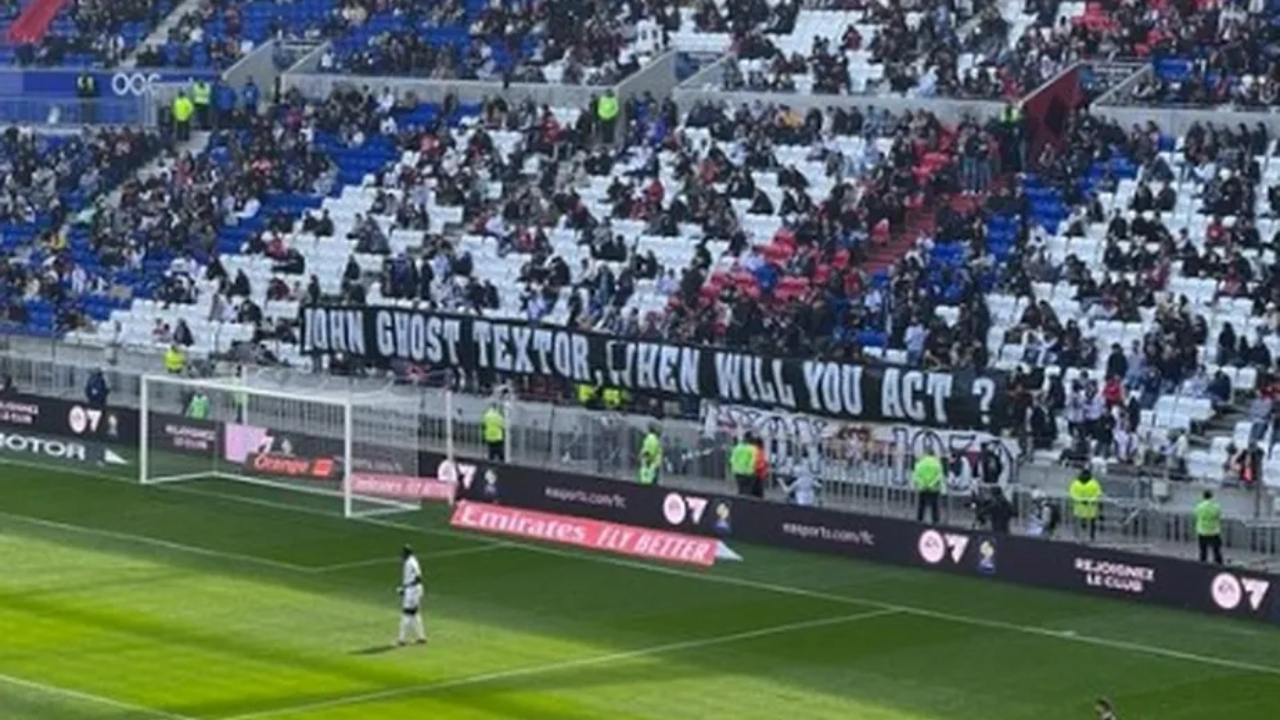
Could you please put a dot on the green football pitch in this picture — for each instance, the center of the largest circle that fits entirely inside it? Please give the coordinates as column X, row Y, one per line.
column 209, row 600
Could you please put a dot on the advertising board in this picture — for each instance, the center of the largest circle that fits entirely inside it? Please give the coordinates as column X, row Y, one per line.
column 121, row 84
column 1093, row 570
column 1072, row 567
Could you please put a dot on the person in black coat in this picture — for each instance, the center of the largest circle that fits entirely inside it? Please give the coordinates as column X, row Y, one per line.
column 1000, row 512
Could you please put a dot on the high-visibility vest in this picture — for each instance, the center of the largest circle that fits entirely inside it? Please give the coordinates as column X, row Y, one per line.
column 607, row 108
column 927, row 474
column 493, row 426
column 174, row 360
column 201, row 93
column 586, row 393
column 199, row 407
column 612, row 398
column 742, row 459
column 1084, row 498
column 183, row 108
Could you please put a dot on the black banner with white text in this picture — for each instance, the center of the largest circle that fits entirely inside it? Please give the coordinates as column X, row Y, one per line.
column 869, row 393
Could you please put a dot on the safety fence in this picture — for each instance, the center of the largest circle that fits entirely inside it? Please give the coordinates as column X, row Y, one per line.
column 868, row 473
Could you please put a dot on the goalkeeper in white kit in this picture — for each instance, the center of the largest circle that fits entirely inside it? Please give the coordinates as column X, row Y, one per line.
column 412, row 590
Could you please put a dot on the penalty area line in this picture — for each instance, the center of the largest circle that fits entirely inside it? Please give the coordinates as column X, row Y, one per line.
column 154, row 542
column 552, row 667
column 90, row 698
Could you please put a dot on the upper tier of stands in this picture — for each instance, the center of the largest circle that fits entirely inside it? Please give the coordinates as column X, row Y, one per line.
column 92, row 33
column 666, row 237
column 556, row 41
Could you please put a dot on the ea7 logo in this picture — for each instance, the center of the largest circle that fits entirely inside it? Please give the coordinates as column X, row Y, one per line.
column 677, row 508
column 935, row 546
column 84, row 420
column 463, row 474
column 1229, row 591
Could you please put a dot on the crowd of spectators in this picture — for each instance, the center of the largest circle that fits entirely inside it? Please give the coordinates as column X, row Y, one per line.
column 47, row 180
column 917, row 43
column 1216, row 54
column 870, row 198
column 563, row 41
column 222, row 31
column 179, row 210
column 104, row 31
column 1103, row 406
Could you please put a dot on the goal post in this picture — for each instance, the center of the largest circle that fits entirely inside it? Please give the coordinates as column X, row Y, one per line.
column 357, row 446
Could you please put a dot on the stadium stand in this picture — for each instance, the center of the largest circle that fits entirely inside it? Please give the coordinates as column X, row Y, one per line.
column 561, row 42
column 637, row 234
column 91, row 33
column 218, row 33
column 992, row 50
column 52, row 285
column 1122, row 277
column 1133, row 297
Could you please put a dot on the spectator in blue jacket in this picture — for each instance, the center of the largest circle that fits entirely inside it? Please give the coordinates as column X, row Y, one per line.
column 96, row 390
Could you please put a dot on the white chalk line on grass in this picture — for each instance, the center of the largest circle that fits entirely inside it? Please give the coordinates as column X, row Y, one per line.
column 560, row 666
column 182, row 548
column 1063, row 635
column 90, row 698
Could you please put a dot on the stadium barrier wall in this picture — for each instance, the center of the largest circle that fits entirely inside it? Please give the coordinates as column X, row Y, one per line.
column 657, row 77
column 1021, row 560
column 956, row 549
column 259, row 65
column 694, row 91
column 544, row 432
column 120, row 84
column 1175, row 120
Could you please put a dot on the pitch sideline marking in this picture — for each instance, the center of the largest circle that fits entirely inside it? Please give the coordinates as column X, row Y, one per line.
column 154, row 542
column 1063, row 635
column 178, row 547
column 90, row 698
column 543, row 669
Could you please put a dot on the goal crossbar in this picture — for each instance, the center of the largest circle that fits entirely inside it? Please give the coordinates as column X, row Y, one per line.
column 245, row 424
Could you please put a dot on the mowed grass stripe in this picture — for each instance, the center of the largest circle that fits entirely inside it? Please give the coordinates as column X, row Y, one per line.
column 840, row 598
column 797, row 578
column 606, row 659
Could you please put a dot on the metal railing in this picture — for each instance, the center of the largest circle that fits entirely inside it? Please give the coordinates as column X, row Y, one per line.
column 871, row 479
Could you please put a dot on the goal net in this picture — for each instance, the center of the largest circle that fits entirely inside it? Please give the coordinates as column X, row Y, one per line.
column 360, row 446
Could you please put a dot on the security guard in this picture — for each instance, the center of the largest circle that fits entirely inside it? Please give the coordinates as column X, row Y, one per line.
column 1086, row 493
column 493, row 426
column 612, row 398
column 183, row 109
column 927, row 476
column 1209, row 528
column 87, row 91
column 198, row 408
column 174, row 361
column 202, row 98
column 742, row 463
column 650, row 456
column 586, row 395
column 607, row 113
